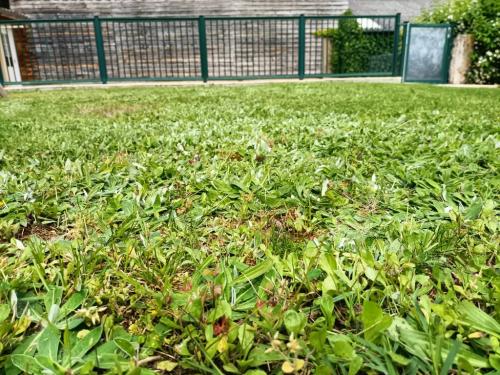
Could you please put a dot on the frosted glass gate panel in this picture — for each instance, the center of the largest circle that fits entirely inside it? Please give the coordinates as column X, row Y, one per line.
column 427, row 53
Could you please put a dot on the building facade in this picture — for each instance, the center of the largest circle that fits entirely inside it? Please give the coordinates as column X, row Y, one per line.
column 147, row 8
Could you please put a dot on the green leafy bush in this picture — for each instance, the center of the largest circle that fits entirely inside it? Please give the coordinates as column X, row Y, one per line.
column 481, row 18
column 355, row 50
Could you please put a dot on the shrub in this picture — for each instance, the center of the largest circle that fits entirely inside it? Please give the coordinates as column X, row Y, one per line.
column 481, row 18
column 355, row 50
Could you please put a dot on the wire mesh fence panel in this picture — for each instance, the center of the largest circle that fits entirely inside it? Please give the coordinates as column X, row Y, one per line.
column 151, row 48
column 198, row 48
column 252, row 47
column 51, row 51
column 350, row 45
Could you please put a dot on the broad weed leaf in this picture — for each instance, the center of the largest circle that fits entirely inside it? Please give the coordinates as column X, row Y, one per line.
column 254, row 272
column 71, row 305
column 26, row 363
column 374, row 320
column 246, row 336
column 327, row 304
column 4, row 312
column 83, row 346
column 53, row 297
column 294, row 321
column 49, row 365
column 342, row 347
column 355, row 365
column 478, row 319
column 53, row 312
column 48, row 343
column 125, row 345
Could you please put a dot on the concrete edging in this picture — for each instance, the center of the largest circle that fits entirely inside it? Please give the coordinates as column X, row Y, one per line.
column 109, row 85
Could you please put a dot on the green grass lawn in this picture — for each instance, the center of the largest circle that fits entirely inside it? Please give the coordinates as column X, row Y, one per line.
column 298, row 228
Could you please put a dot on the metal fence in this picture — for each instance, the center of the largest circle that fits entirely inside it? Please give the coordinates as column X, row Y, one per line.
column 117, row 49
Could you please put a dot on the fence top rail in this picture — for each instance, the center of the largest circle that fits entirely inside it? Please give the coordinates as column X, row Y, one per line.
column 147, row 19
column 432, row 25
column 353, row 17
column 186, row 18
column 245, row 18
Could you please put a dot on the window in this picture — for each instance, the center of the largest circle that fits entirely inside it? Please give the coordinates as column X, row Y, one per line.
column 4, row 4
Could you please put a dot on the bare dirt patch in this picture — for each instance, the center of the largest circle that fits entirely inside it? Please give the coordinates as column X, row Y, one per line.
column 108, row 111
column 45, row 232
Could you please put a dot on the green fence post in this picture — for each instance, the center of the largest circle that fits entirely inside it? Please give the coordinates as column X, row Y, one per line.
column 302, row 46
column 2, row 82
column 202, row 32
column 395, row 52
column 403, row 48
column 101, row 57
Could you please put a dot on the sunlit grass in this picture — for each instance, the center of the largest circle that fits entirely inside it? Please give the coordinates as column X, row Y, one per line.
column 334, row 228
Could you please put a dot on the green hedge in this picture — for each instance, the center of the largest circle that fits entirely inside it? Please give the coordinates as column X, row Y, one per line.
column 355, row 50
